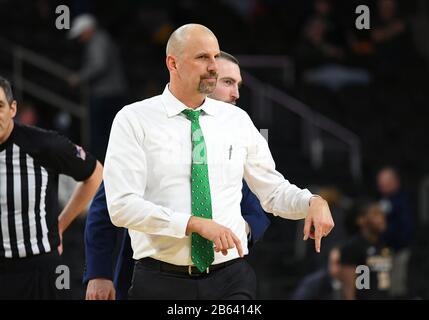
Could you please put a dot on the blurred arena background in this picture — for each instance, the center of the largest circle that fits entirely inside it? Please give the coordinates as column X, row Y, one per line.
column 339, row 105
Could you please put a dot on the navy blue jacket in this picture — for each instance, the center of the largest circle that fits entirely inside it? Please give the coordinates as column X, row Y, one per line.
column 400, row 222
column 100, row 240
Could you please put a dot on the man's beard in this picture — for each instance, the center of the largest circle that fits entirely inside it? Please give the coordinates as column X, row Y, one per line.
column 207, row 87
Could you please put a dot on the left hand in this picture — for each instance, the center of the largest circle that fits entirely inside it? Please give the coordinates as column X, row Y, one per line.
column 319, row 217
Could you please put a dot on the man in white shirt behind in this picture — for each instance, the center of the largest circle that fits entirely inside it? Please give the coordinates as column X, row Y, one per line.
column 149, row 176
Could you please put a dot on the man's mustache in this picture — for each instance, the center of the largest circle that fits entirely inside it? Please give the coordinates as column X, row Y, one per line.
column 212, row 75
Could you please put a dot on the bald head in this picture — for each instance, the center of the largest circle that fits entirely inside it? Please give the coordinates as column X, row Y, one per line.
column 180, row 38
column 192, row 51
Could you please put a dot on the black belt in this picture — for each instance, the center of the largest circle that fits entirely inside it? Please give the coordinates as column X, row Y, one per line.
column 185, row 270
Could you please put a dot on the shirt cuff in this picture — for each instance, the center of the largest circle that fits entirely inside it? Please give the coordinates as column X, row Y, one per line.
column 313, row 196
column 179, row 223
column 97, row 266
column 306, row 201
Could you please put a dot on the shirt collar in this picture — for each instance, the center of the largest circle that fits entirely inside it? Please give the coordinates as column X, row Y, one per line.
column 174, row 106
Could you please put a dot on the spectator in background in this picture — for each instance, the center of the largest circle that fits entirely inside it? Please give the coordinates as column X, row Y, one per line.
column 102, row 71
column 391, row 39
column 396, row 205
column 367, row 249
column 315, row 49
column 324, row 284
column 323, row 9
column 400, row 226
column 322, row 40
column 322, row 61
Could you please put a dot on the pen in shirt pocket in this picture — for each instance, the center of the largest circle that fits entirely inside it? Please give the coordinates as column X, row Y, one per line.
column 230, row 152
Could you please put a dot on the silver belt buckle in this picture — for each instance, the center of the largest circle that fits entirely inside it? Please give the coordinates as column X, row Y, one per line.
column 190, row 270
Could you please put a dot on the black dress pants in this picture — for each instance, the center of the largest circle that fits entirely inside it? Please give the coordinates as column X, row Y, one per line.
column 236, row 281
column 30, row 278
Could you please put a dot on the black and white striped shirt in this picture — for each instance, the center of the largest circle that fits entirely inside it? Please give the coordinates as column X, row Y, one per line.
column 30, row 161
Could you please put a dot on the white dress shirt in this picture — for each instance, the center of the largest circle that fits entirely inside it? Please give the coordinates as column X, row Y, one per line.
column 147, row 175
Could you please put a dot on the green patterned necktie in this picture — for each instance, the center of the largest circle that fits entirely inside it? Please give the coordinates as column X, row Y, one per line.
column 202, row 249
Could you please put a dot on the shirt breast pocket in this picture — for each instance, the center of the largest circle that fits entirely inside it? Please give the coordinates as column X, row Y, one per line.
column 234, row 156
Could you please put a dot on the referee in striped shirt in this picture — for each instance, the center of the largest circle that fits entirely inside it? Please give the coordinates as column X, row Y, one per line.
column 31, row 228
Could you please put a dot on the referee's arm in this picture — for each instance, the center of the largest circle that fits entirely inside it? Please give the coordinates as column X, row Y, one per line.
column 80, row 198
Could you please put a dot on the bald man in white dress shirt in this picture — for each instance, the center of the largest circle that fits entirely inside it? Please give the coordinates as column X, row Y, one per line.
column 150, row 179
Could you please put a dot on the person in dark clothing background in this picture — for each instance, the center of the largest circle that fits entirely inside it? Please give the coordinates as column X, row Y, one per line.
column 396, row 205
column 323, row 284
column 367, row 249
column 102, row 71
column 400, row 230
column 392, row 41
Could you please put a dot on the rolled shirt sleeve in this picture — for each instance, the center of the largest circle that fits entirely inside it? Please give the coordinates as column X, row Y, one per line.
column 125, row 178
